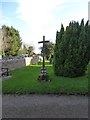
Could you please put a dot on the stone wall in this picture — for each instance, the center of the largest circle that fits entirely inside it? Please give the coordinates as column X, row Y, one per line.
column 34, row 60
column 13, row 64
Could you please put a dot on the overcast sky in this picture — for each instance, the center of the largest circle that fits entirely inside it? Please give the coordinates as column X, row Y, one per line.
column 35, row 18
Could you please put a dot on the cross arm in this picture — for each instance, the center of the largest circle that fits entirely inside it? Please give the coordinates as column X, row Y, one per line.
column 42, row 41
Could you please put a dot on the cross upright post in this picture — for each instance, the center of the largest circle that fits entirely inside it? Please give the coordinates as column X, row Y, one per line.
column 43, row 52
column 43, row 75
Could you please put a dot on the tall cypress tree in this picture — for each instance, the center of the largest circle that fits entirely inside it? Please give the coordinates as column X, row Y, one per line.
column 59, row 38
column 88, row 37
column 87, row 30
column 71, row 58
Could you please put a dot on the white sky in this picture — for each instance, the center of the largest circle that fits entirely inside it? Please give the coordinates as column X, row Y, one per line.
column 44, row 17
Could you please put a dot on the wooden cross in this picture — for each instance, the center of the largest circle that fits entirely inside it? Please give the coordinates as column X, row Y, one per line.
column 43, row 65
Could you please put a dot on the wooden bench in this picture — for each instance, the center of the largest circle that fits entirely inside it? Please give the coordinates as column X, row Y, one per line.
column 5, row 72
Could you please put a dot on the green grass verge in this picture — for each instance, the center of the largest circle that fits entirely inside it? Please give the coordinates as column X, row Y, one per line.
column 24, row 81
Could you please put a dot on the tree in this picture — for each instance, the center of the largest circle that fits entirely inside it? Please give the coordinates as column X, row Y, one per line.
column 26, row 50
column 87, row 30
column 57, row 51
column 30, row 50
column 71, row 50
column 49, row 49
column 11, row 41
column 5, row 41
column 23, row 50
column 88, row 37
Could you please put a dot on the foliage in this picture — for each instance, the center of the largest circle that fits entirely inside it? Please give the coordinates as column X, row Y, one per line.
column 57, row 55
column 49, row 49
column 87, row 28
column 11, row 41
column 30, row 50
column 23, row 50
column 71, row 50
column 26, row 50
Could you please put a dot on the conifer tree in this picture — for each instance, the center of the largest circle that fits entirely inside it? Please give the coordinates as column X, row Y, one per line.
column 71, row 50
column 59, row 38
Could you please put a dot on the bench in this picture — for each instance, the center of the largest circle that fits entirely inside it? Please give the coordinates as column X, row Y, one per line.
column 5, row 71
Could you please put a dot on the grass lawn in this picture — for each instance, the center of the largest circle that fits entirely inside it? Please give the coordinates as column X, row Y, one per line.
column 24, row 80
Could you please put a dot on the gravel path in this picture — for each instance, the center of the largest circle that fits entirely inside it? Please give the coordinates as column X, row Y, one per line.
column 44, row 106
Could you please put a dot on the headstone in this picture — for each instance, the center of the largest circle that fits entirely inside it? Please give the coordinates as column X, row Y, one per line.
column 51, row 59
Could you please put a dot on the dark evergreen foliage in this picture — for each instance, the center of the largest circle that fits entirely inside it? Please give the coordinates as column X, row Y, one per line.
column 71, row 54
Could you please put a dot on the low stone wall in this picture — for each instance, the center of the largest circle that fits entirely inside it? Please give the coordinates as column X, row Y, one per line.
column 35, row 60
column 13, row 64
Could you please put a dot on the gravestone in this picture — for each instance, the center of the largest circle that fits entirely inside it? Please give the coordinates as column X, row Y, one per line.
column 51, row 59
column 43, row 75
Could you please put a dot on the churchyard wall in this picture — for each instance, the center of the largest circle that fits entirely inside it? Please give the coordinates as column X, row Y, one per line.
column 15, row 63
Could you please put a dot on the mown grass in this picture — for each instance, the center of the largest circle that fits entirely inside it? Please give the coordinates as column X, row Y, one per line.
column 24, row 81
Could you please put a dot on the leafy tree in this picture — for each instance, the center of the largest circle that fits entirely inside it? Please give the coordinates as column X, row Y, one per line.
column 23, row 50
column 26, row 50
column 11, row 41
column 49, row 49
column 30, row 50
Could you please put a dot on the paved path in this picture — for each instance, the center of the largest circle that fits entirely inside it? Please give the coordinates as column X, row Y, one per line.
column 44, row 106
